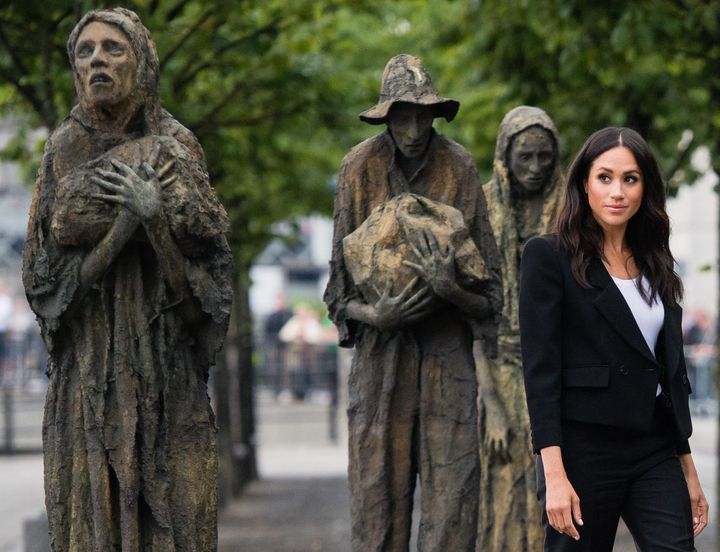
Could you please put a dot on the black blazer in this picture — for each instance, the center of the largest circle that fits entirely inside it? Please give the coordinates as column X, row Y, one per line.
column 584, row 357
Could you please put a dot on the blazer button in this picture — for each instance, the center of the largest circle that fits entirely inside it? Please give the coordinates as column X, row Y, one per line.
column 684, row 378
column 624, row 371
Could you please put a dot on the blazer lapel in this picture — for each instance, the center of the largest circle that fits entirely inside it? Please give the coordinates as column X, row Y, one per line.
column 614, row 308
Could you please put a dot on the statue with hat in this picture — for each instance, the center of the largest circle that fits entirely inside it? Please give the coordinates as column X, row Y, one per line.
column 414, row 281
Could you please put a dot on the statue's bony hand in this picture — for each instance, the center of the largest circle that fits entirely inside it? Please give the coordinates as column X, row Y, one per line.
column 496, row 438
column 141, row 196
column 436, row 268
column 407, row 308
column 163, row 172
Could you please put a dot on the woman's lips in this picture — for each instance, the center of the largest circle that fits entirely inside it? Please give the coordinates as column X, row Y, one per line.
column 616, row 208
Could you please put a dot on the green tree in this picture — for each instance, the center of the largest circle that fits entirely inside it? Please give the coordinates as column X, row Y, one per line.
column 265, row 86
column 653, row 65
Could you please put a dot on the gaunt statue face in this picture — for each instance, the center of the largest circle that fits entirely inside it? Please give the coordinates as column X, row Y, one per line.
column 532, row 160
column 411, row 127
column 105, row 65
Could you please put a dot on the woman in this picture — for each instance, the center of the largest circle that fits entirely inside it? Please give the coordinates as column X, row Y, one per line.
column 605, row 378
column 522, row 198
column 127, row 269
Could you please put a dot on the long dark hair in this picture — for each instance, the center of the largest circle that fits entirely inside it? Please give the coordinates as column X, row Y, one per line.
column 648, row 231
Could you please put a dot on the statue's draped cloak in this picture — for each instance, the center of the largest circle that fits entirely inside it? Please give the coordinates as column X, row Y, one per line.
column 509, row 511
column 420, row 377
column 128, row 425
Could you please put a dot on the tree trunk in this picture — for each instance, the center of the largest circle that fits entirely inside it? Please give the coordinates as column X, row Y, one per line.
column 245, row 449
column 226, row 471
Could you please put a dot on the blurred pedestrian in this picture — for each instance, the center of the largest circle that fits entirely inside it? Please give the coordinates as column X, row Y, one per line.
column 6, row 311
column 303, row 335
column 699, row 337
column 273, row 346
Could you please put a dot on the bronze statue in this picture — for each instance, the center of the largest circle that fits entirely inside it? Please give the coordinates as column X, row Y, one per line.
column 128, row 271
column 412, row 405
column 522, row 196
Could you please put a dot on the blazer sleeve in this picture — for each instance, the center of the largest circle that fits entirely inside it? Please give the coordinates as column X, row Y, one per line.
column 682, row 446
column 541, row 306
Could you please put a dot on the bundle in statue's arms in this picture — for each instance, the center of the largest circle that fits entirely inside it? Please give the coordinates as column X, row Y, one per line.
column 80, row 219
column 375, row 251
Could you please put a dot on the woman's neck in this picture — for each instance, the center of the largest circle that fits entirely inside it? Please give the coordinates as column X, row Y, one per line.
column 617, row 255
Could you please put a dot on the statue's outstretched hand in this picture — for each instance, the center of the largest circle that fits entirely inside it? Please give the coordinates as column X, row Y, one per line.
column 406, row 308
column 433, row 266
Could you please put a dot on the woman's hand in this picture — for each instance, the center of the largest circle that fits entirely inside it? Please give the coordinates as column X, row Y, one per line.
column 561, row 501
column 436, row 268
column 141, row 196
column 698, row 502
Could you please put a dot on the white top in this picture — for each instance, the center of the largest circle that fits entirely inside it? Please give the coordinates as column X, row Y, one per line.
column 649, row 318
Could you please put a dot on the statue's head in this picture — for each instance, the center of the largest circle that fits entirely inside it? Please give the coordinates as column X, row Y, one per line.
column 527, row 147
column 411, row 127
column 114, row 61
column 406, row 81
column 531, row 158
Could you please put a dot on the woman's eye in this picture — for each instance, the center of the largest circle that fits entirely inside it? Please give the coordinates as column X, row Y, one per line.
column 524, row 157
column 604, row 178
column 631, row 179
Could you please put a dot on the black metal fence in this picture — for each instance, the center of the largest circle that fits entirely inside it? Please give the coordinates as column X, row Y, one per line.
column 22, row 392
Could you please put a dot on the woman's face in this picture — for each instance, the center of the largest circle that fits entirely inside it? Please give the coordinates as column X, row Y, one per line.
column 105, row 64
column 532, row 159
column 614, row 188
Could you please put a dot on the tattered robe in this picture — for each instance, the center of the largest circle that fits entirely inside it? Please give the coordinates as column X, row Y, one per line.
column 509, row 510
column 412, row 405
column 128, row 434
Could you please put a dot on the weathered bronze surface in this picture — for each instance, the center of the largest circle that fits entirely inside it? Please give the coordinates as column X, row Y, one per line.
column 522, row 197
column 128, row 271
column 412, row 405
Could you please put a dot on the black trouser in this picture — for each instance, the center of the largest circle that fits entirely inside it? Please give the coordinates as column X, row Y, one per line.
column 618, row 472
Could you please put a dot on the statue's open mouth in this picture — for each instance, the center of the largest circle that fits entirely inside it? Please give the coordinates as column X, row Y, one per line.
column 100, row 78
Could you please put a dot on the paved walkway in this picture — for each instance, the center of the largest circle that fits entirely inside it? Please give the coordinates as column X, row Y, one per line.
column 301, row 504
column 288, row 515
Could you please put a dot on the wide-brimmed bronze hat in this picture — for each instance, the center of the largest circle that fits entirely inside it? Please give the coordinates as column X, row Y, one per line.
column 406, row 80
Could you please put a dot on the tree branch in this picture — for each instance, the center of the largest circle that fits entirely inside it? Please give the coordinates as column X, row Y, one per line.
column 189, row 73
column 175, row 11
column 202, row 125
column 16, row 61
column 210, row 116
column 204, row 17
column 31, row 97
